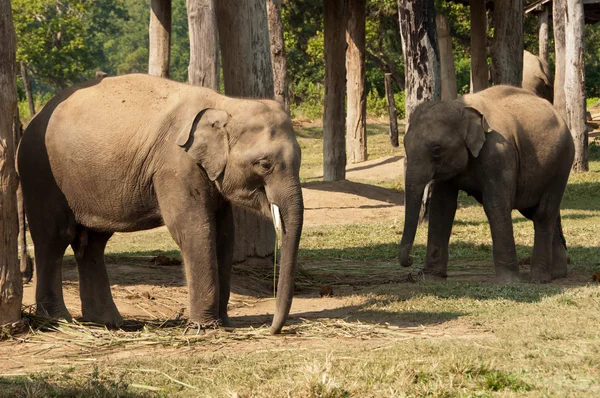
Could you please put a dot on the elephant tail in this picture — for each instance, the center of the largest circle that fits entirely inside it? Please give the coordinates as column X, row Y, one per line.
column 562, row 236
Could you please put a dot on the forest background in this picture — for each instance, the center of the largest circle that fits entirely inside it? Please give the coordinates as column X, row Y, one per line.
column 65, row 42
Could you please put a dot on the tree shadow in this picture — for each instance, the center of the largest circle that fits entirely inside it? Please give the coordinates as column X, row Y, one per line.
column 369, row 191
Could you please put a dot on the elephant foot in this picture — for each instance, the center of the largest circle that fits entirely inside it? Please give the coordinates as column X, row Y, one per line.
column 507, row 276
column 404, row 257
column 537, row 275
column 434, row 275
column 198, row 328
column 559, row 272
column 112, row 319
column 224, row 320
column 53, row 310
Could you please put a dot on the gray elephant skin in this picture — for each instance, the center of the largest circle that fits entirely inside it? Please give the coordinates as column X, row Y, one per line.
column 507, row 148
column 537, row 77
column 136, row 152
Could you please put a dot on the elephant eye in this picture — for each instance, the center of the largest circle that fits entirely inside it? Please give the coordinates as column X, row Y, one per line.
column 263, row 166
column 436, row 152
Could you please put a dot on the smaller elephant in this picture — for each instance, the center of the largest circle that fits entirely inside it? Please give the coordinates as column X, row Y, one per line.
column 507, row 148
column 537, row 77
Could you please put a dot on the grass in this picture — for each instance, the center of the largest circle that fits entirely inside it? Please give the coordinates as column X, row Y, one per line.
column 460, row 338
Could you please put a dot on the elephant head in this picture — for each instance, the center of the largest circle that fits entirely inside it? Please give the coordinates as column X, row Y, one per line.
column 249, row 149
column 440, row 140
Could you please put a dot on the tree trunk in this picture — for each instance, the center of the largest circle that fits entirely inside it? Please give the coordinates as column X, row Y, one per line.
column 543, row 36
column 559, row 9
column 334, row 143
column 391, row 103
column 421, row 54
column 26, row 264
column 203, row 69
column 247, row 72
column 574, row 82
column 356, row 118
column 11, row 285
column 27, row 85
column 479, row 66
column 448, row 73
column 160, row 38
column 507, row 47
column 278, row 57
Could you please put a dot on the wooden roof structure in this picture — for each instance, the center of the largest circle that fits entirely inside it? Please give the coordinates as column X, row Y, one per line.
column 591, row 9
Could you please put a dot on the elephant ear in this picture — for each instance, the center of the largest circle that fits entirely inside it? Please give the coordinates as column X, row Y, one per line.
column 205, row 139
column 477, row 126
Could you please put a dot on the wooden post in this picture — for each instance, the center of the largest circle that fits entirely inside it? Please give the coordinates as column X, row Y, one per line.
column 543, row 35
column 278, row 57
column 448, row 73
column 27, row 85
column 421, row 54
column 356, row 93
column 391, row 103
column 160, row 38
column 334, row 143
column 479, row 66
column 559, row 9
column 507, row 47
column 11, row 285
column 574, row 82
column 247, row 72
column 203, row 69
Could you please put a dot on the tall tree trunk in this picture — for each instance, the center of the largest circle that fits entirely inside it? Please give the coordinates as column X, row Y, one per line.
column 26, row 263
column 543, row 36
column 479, row 66
column 160, row 38
column 11, row 285
column 27, row 85
column 391, row 103
column 334, row 142
column 507, row 47
column 203, row 69
column 278, row 57
column 356, row 118
column 421, row 54
column 448, row 73
column 559, row 10
column 247, row 72
column 574, row 82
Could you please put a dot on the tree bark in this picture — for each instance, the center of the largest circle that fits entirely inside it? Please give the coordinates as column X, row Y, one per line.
column 421, row 54
column 247, row 72
column 278, row 57
column 448, row 73
column 160, row 38
column 559, row 9
column 334, row 143
column 543, row 35
column 27, row 85
column 574, row 82
column 479, row 66
column 11, row 285
column 507, row 47
column 26, row 263
column 203, row 69
column 356, row 118
column 391, row 103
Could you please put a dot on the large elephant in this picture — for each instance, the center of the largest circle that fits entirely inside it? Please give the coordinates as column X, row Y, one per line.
column 537, row 77
column 507, row 148
column 135, row 152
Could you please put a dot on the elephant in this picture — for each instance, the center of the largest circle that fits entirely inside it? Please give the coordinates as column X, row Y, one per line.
column 135, row 152
column 537, row 77
column 507, row 148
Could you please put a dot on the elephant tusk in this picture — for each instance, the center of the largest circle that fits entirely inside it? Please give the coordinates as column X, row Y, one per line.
column 276, row 216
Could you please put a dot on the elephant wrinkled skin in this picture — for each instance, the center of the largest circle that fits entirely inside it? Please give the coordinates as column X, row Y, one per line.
column 507, row 148
column 135, row 152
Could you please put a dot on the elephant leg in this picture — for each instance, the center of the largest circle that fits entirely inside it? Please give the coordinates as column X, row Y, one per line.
column 97, row 303
column 442, row 209
column 498, row 212
column 225, row 244
column 559, row 252
column 187, row 207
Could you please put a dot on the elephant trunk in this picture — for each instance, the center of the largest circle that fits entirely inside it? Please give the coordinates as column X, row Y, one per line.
column 291, row 208
column 414, row 189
